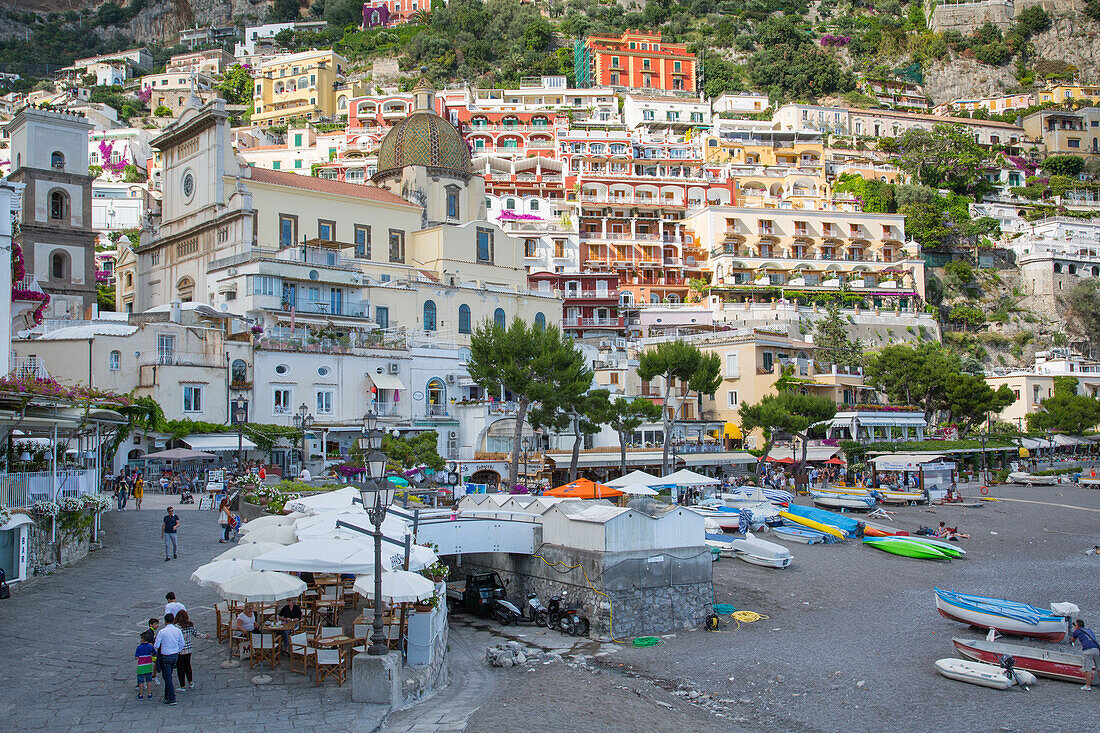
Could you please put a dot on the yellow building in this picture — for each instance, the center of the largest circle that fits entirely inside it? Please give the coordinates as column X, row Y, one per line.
column 307, row 85
column 807, row 250
column 1066, row 92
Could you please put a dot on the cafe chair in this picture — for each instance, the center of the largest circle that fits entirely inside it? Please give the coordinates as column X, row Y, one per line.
column 265, row 648
column 300, row 652
column 330, row 663
column 327, row 632
column 238, row 641
column 221, row 611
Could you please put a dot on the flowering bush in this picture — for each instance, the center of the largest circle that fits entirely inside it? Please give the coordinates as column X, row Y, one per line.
column 350, row 471
column 106, row 148
column 70, row 504
column 145, row 94
column 32, row 295
column 18, row 268
column 257, row 330
column 5, row 515
column 96, row 502
column 831, row 41
column 45, row 509
column 102, row 276
column 51, row 388
column 252, row 479
column 513, row 216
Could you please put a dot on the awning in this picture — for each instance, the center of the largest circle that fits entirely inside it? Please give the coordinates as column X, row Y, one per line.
column 814, row 453
column 732, row 432
column 386, row 381
column 903, row 461
column 16, row 521
column 598, row 460
column 716, row 459
column 217, row 442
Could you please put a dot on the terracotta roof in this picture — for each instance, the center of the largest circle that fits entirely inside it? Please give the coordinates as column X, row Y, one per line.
column 323, row 185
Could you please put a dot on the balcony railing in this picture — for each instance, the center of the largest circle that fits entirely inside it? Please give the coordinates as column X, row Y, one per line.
column 180, row 359
column 435, row 410
column 592, row 322
column 25, row 367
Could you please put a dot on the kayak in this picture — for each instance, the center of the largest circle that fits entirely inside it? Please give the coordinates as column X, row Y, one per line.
column 876, row 532
column 801, row 534
column 807, row 522
column 898, row 546
column 864, row 502
column 946, row 547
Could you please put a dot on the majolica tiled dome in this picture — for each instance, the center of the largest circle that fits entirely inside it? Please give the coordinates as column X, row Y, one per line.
column 423, row 138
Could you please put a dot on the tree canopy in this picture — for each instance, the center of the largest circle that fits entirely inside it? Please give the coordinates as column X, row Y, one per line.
column 1065, row 411
column 788, row 411
column 947, row 156
column 831, row 342
column 624, row 416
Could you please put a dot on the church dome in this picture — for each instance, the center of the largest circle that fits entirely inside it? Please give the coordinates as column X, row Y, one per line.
column 423, row 138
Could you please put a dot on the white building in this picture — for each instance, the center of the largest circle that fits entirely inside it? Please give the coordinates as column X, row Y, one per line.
column 546, row 227
column 665, row 113
column 740, row 103
column 260, row 39
column 117, row 206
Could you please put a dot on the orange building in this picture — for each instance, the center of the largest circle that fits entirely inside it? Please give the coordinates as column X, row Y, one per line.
column 635, row 60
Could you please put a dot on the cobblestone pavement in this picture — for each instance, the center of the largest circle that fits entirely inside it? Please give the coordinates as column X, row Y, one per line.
column 67, row 643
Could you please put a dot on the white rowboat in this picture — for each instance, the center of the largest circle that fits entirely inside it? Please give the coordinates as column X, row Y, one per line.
column 979, row 673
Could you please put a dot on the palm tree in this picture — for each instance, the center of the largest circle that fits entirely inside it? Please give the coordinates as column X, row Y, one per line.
column 421, row 17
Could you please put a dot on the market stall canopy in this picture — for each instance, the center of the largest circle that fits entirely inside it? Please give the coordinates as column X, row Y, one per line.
column 720, row 458
column 1066, row 441
column 217, row 442
column 179, row 454
column 398, row 586
column 834, row 461
column 638, row 490
column 903, row 461
column 784, row 459
column 684, row 477
column 731, row 431
column 583, row 489
column 261, row 586
column 634, row 478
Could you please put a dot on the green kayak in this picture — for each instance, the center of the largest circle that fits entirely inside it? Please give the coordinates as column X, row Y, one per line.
column 899, row 546
column 944, row 547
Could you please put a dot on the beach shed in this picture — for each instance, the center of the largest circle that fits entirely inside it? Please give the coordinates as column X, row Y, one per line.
column 602, row 528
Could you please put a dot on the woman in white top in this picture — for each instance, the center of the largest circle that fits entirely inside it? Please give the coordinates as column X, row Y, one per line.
column 246, row 619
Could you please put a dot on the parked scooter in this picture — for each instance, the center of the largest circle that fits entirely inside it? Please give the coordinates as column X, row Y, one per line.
column 505, row 612
column 532, row 612
column 567, row 620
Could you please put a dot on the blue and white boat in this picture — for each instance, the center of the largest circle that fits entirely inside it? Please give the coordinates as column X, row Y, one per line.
column 843, row 501
column 1007, row 617
column 805, row 535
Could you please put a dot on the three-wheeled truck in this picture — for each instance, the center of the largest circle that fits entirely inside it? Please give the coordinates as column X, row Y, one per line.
column 481, row 594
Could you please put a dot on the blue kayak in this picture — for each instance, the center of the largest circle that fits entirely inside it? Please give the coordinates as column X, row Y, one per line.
column 841, row 522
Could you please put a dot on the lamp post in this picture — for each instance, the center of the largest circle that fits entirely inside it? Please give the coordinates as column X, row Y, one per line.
column 377, row 495
column 303, row 421
column 240, row 413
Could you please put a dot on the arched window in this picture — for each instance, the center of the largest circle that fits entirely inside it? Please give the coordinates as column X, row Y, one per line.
column 540, row 320
column 58, row 206
column 498, row 317
column 435, row 395
column 1057, row 267
column 510, row 204
column 238, row 371
column 129, row 279
column 464, row 318
column 185, row 290
column 59, row 266
column 429, row 315
column 57, row 159
column 115, row 360
column 535, row 205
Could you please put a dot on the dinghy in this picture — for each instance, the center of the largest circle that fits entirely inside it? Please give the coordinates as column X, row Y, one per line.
column 1043, row 662
column 1007, row 617
column 898, row 546
column 805, row 535
column 844, row 523
column 887, row 496
column 761, row 552
column 720, row 542
column 986, row 675
column 843, row 501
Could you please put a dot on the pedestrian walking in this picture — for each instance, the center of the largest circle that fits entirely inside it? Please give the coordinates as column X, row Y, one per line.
column 168, row 528
column 169, row 643
column 183, row 664
column 172, row 606
column 225, row 519
column 1090, row 650
column 139, row 491
column 122, row 491
column 144, row 655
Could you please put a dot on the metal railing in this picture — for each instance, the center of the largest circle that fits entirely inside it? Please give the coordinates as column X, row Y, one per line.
column 28, row 367
column 181, row 358
column 21, row 490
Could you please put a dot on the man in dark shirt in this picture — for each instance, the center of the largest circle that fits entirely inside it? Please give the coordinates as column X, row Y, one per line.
column 290, row 612
column 1090, row 651
column 168, row 533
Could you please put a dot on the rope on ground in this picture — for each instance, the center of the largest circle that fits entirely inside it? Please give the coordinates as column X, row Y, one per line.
column 645, row 641
column 747, row 617
column 610, row 605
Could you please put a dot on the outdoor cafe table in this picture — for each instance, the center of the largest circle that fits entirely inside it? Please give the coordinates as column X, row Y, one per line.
column 331, row 642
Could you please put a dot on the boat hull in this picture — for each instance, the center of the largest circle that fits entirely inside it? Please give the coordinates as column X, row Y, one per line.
column 895, row 546
column 807, row 522
column 1055, row 665
column 945, row 547
column 1045, row 630
column 764, row 562
column 836, row 501
column 977, row 673
column 805, row 535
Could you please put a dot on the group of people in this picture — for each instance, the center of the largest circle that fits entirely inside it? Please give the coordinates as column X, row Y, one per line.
column 166, row 650
column 128, row 485
column 248, row 620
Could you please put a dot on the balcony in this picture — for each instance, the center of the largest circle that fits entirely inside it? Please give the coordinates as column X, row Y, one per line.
column 592, row 322
column 28, row 367
column 303, row 305
column 163, row 357
column 435, row 411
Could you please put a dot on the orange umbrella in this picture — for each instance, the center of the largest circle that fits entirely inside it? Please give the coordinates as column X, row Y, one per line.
column 834, row 461
column 583, row 489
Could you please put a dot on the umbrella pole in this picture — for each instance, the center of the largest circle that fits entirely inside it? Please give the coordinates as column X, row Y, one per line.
column 230, row 663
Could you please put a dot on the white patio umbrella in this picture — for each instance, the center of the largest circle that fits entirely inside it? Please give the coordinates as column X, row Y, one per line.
column 393, row 556
column 261, row 586
column 338, row 500
column 248, row 550
column 684, row 477
column 323, row 525
column 637, row 490
column 398, row 586
column 319, row 556
column 280, row 534
column 214, row 573
column 270, row 520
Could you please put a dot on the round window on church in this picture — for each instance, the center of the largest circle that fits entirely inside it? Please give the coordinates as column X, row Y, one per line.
column 188, row 185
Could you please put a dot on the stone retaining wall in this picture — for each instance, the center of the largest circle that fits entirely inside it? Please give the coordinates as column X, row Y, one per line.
column 631, row 593
column 73, row 540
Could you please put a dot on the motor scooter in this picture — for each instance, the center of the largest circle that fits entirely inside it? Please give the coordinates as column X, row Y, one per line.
column 566, row 620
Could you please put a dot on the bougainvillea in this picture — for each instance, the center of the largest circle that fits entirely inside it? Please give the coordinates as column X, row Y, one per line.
column 28, row 385
column 513, row 216
column 106, row 148
column 831, row 41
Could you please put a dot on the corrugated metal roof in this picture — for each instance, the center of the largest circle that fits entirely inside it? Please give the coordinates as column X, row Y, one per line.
column 89, row 331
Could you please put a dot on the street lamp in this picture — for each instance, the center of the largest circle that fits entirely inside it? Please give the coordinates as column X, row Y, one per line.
column 376, row 494
column 240, row 413
column 303, row 421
